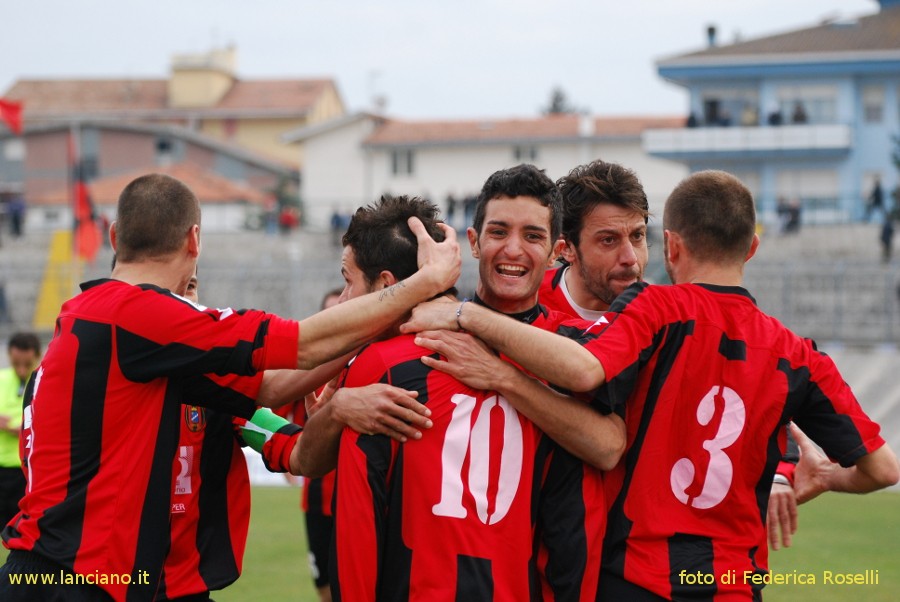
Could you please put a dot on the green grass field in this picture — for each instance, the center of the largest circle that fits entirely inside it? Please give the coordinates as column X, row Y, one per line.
column 838, row 533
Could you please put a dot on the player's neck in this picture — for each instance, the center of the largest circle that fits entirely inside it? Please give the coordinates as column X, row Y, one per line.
column 708, row 273
column 168, row 274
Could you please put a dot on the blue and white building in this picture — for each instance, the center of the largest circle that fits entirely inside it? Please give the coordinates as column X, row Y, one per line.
column 809, row 116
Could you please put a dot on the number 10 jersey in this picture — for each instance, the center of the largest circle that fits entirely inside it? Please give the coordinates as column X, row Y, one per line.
column 446, row 517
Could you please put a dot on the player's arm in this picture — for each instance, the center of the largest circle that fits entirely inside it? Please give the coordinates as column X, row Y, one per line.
column 339, row 329
column 273, row 437
column 284, row 386
column 593, row 437
column 551, row 357
column 816, row 474
column 373, row 409
column 781, row 516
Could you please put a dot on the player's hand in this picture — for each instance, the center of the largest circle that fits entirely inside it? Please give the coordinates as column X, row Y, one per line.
column 469, row 360
column 441, row 261
column 438, row 314
column 811, row 476
column 381, row 409
column 781, row 519
column 314, row 402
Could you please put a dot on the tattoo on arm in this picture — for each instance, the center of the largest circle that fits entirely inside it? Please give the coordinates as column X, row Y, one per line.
column 391, row 290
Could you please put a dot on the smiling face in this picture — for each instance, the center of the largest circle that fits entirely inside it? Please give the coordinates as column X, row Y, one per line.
column 514, row 249
column 612, row 254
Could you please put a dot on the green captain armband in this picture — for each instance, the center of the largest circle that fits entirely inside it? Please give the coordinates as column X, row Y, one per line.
column 261, row 427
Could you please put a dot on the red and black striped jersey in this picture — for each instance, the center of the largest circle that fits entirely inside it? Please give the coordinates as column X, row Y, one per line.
column 210, row 497
column 570, row 518
column 708, row 381
column 552, row 295
column 445, row 517
column 102, row 422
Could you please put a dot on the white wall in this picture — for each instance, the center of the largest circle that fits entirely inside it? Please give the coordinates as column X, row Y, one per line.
column 339, row 173
column 335, row 173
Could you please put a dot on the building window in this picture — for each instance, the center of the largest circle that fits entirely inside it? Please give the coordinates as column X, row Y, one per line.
column 525, row 153
column 402, row 162
column 873, row 104
column 807, row 104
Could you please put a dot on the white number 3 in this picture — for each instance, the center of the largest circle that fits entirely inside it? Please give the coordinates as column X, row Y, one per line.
column 720, row 470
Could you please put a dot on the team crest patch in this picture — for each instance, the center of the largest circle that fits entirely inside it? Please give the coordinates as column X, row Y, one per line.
column 195, row 418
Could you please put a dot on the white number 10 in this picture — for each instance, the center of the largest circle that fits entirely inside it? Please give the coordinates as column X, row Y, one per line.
column 464, row 437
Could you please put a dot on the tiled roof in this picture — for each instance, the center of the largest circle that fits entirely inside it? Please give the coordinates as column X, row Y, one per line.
column 879, row 32
column 633, row 126
column 54, row 97
column 554, row 127
column 48, row 96
column 274, row 94
column 208, row 186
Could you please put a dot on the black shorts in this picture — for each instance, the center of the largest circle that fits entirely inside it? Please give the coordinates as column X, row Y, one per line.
column 12, row 489
column 20, row 564
column 319, row 530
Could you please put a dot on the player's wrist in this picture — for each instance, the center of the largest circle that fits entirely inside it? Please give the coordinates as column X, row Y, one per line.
column 459, row 311
column 780, row 479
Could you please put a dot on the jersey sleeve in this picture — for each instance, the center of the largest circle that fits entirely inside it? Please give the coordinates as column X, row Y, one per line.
column 363, row 477
column 229, row 394
column 176, row 338
column 825, row 408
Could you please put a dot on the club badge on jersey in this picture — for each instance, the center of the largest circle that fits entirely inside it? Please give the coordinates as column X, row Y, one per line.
column 194, row 418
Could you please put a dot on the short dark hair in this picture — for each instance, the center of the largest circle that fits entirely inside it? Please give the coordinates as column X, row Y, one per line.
column 154, row 214
column 25, row 341
column 521, row 180
column 713, row 212
column 598, row 182
column 381, row 239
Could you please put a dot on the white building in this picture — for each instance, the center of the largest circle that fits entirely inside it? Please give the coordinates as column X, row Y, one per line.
column 352, row 160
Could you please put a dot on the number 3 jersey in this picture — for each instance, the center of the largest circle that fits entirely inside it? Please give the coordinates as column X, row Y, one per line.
column 446, row 517
column 709, row 381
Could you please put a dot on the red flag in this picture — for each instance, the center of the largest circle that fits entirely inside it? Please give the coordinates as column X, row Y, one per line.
column 11, row 113
column 87, row 234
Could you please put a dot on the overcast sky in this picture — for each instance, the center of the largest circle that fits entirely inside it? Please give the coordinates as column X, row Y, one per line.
column 429, row 58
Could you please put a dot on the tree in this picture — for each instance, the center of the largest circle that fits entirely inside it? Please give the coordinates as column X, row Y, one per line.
column 559, row 103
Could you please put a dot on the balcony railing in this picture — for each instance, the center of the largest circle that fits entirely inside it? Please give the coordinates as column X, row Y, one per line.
column 765, row 140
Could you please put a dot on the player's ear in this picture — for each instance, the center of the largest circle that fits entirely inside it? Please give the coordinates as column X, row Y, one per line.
column 194, row 241
column 754, row 245
column 385, row 279
column 671, row 245
column 558, row 247
column 568, row 252
column 473, row 241
column 112, row 236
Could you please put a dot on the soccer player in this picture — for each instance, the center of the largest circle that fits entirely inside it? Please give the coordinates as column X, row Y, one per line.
column 604, row 226
column 708, row 382
column 24, row 349
column 101, row 413
column 394, row 503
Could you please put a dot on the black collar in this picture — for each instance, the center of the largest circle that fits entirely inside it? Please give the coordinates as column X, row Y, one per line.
column 528, row 316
